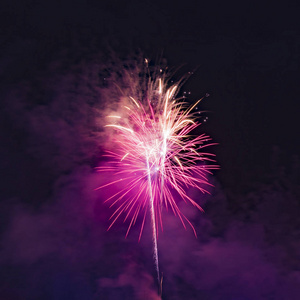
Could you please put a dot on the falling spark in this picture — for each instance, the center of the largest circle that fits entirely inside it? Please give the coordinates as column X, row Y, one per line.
column 157, row 157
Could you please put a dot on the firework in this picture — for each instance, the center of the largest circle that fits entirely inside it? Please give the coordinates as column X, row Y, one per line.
column 156, row 158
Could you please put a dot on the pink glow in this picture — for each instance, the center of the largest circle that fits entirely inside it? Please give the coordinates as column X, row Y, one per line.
column 155, row 158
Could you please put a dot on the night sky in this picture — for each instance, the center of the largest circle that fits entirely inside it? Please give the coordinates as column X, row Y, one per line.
column 57, row 60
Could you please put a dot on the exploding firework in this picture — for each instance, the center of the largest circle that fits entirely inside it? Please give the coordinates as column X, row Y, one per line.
column 156, row 157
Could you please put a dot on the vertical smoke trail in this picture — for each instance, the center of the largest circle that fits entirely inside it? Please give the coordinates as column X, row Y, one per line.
column 154, row 235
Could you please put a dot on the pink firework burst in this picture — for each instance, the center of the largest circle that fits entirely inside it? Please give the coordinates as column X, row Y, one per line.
column 155, row 158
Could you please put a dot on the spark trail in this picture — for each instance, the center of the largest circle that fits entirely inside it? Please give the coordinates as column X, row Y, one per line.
column 155, row 158
column 153, row 221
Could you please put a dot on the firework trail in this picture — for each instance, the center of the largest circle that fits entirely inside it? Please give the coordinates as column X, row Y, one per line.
column 156, row 157
column 154, row 234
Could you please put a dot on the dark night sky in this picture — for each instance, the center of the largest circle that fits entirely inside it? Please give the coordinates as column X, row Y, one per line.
column 54, row 243
column 247, row 58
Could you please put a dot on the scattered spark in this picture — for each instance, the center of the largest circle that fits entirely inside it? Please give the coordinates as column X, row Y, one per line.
column 120, row 127
column 134, row 101
column 117, row 117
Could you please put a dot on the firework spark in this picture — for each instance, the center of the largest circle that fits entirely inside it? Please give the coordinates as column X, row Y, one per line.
column 156, row 157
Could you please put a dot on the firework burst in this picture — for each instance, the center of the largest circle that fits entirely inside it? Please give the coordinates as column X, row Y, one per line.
column 156, row 157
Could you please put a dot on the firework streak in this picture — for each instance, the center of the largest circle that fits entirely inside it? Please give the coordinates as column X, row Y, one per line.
column 156, row 158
